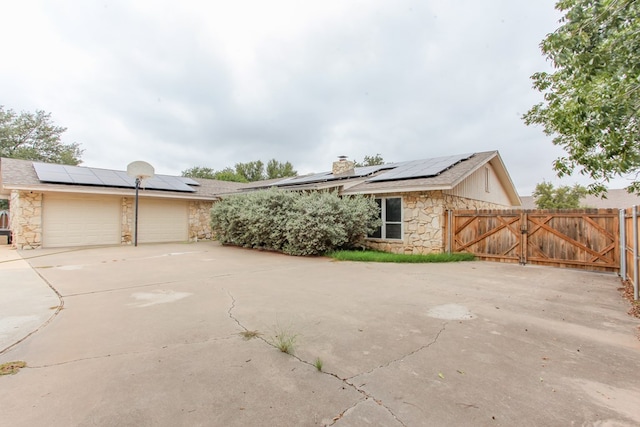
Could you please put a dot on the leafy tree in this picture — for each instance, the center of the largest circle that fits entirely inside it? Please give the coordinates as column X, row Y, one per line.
column 276, row 169
column 199, row 172
column 228, row 174
column 563, row 197
column 251, row 171
column 371, row 161
column 244, row 172
column 33, row 136
column 592, row 98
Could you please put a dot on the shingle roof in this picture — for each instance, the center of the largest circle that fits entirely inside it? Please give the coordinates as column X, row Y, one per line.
column 21, row 175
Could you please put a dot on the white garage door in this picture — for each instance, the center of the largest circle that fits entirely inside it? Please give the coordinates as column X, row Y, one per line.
column 80, row 221
column 162, row 221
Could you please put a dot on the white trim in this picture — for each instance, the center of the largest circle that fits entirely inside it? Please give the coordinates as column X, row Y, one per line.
column 383, row 217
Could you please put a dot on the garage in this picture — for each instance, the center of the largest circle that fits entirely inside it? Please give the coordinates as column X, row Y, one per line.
column 80, row 220
column 161, row 220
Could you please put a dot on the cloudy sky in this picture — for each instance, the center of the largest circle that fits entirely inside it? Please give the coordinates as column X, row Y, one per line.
column 213, row 83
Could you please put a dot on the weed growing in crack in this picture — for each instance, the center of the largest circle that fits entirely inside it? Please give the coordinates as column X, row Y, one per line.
column 318, row 364
column 284, row 340
column 248, row 335
column 11, row 368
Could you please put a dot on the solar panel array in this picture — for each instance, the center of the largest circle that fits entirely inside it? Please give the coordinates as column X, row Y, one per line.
column 328, row 176
column 77, row 175
column 421, row 168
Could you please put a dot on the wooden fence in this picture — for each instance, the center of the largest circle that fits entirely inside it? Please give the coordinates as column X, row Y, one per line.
column 591, row 239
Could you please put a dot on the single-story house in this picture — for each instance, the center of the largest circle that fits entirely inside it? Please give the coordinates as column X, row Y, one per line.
column 55, row 205
column 414, row 196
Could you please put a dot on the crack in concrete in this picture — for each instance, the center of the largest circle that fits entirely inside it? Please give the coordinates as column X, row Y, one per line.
column 345, row 381
column 404, row 356
column 130, row 353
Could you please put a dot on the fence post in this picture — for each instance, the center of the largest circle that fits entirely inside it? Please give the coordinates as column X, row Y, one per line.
column 449, row 230
column 635, row 252
column 623, row 244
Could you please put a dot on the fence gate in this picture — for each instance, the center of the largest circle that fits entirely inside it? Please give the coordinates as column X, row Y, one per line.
column 587, row 239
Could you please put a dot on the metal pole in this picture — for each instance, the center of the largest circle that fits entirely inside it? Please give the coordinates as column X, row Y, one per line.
column 623, row 244
column 135, row 233
column 635, row 252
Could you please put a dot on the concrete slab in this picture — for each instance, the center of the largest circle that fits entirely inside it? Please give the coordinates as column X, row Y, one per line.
column 151, row 336
column 26, row 301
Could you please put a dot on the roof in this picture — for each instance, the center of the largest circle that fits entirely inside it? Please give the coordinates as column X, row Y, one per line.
column 440, row 173
column 18, row 174
column 616, row 199
column 372, row 180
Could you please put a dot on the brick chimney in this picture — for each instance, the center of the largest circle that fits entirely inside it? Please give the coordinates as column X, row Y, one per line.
column 343, row 166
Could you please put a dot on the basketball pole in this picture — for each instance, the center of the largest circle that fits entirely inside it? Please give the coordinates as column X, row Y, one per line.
column 135, row 232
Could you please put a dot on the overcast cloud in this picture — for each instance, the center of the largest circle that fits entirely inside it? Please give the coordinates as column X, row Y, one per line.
column 213, row 83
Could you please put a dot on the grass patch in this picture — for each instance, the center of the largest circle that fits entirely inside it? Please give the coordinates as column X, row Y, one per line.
column 11, row 368
column 284, row 340
column 249, row 335
column 318, row 364
column 377, row 256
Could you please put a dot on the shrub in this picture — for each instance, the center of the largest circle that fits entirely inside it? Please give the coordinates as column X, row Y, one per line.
column 294, row 223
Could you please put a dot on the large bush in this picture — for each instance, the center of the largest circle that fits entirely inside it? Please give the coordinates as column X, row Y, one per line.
column 294, row 223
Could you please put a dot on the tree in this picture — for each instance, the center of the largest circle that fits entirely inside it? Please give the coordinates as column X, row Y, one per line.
column 371, row 161
column 276, row 169
column 251, row 171
column 563, row 197
column 592, row 98
column 228, row 174
column 199, row 172
column 33, row 136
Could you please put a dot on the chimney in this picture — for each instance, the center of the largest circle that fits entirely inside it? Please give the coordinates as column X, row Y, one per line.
column 342, row 166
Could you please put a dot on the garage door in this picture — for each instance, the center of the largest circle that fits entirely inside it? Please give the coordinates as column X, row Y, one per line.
column 162, row 221
column 80, row 221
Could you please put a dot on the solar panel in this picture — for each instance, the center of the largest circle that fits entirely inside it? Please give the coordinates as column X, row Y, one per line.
column 64, row 174
column 188, row 180
column 421, row 168
column 328, row 176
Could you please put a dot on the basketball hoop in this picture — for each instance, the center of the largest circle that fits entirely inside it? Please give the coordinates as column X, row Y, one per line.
column 140, row 171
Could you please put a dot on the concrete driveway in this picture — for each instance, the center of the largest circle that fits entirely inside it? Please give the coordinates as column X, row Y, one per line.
column 151, row 336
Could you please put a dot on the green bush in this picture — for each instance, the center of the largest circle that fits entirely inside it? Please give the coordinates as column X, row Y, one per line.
column 294, row 223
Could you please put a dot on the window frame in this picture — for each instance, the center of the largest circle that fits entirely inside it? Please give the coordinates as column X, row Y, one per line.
column 383, row 218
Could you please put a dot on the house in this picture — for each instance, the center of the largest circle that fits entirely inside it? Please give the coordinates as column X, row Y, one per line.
column 615, row 199
column 414, row 196
column 56, row 205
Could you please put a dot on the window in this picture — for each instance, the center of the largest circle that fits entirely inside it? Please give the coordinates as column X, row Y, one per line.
column 391, row 215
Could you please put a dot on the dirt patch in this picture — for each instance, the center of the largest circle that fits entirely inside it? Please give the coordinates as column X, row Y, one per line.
column 627, row 292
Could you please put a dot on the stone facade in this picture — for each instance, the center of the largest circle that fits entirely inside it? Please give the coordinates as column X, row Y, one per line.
column 127, row 220
column 26, row 219
column 424, row 216
column 200, row 220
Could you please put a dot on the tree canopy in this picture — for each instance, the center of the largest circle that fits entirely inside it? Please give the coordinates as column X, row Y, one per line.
column 371, row 161
column 592, row 98
column 244, row 172
column 34, row 136
column 563, row 197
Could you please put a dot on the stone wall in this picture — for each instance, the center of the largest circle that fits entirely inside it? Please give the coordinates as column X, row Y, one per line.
column 127, row 220
column 26, row 219
column 424, row 220
column 200, row 220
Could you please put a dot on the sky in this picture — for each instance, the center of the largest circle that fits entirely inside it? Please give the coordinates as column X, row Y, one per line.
column 214, row 83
